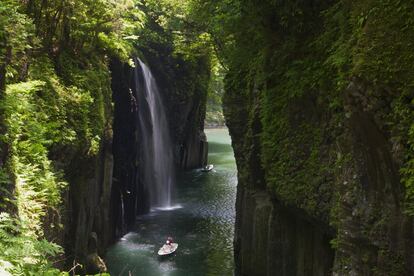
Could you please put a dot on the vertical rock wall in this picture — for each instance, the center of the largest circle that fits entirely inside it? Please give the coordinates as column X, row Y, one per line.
column 185, row 107
column 270, row 238
column 89, row 224
column 274, row 240
column 319, row 106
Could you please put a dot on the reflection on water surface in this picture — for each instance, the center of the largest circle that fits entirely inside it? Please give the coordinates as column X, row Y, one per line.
column 201, row 222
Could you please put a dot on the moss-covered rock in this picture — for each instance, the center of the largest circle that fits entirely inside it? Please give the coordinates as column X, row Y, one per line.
column 326, row 89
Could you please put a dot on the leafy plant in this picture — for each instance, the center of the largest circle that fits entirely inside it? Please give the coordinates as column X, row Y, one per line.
column 22, row 253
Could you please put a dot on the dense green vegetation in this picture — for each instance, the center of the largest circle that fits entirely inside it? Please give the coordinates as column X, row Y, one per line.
column 190, row 41
column 55, row 104
column 214, row 112
column 56, row 110
column 315, row 53
column 299, row 76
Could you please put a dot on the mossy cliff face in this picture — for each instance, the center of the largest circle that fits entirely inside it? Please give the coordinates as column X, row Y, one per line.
column 56, row 132
column 60, row 157
column 87, row 166
column 56, row 118
column 328, row 100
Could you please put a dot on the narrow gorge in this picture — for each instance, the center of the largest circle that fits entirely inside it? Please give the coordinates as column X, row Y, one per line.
column 110, row 112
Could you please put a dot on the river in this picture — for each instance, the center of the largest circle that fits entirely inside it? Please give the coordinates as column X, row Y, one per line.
column 201, row 222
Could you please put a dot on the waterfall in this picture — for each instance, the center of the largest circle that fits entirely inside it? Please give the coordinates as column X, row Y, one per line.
column 123, row 223
column 156, row 155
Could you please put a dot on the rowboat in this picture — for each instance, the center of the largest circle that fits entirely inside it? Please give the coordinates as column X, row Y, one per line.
column 207, row 168
column 167, row 249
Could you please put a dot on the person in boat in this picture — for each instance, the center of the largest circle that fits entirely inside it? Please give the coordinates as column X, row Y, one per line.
column 169, row 241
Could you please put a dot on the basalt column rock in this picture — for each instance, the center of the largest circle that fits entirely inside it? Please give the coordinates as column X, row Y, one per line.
column 128, row 195
column 88, row 203
column 273, row 240
column 194, row 149
column 270, row 238
column 374, row 233
column 320, row 111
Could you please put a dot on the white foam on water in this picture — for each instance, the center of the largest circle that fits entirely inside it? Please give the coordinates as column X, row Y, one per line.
column 167, row 266
column 129, row 236
column 167, row 208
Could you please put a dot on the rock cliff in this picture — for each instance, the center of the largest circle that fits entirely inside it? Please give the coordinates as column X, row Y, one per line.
column 324, row 158
column 185, row 107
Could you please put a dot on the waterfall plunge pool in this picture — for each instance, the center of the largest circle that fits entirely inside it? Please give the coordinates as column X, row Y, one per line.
column 201, row 222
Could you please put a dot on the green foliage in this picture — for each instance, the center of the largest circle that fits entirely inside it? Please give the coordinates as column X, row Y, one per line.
column 16, row 29
column 21, row 253
column 196, row 35
column 169, row 22
column 85, row 27
column 76, row 101
column 56, row 108
column 44, row 116
column 283, row 62
column 384, row 57
column 406, row 112
column 296, row 55
column 286, row 89
column 214, row 112
column 220, row 20
column 37, row 185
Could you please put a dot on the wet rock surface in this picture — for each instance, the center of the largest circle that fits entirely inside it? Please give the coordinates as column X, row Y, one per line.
column 185, row 111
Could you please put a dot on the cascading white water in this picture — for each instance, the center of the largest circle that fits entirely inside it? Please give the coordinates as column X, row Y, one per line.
column 156, row 151
column 123, row 224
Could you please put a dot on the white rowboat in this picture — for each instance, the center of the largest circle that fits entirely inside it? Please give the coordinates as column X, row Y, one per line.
column 207, row 168
column 167, row 249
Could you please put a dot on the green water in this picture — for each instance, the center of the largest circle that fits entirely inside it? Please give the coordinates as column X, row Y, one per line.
column 201, row 223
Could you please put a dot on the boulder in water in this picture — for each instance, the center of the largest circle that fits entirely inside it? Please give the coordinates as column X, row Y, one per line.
column 94, row 263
